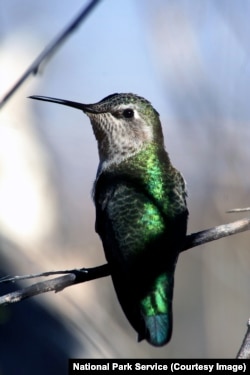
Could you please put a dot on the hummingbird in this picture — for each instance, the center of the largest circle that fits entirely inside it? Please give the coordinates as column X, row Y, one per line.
column 141, row 210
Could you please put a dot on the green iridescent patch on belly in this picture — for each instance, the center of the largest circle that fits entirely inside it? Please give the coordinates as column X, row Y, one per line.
column 152, row 220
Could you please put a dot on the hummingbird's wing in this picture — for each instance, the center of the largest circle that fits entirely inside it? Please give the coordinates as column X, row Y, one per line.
column 141, row 246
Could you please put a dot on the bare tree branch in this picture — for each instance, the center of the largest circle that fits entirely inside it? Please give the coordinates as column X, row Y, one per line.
column 55, row 284
column 216, row 233
column 50, row 49
column 76, row 276
column 72, row 277
column 244, row 352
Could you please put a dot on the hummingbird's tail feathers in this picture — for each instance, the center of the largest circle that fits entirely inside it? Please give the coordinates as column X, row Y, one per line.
column 159, row 329
column 156, row 310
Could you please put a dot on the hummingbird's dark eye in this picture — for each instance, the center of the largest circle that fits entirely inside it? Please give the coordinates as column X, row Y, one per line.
column 128, row 113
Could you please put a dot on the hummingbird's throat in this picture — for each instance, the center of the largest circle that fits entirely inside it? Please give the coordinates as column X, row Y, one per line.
column 115, row 152
column 117, row 141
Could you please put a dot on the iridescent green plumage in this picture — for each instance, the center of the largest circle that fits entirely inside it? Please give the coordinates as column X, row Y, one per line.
column 141, row 218
column 141, row 213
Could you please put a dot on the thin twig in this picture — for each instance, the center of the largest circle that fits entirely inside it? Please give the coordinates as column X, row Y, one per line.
column 244, row 352
column 50, row 49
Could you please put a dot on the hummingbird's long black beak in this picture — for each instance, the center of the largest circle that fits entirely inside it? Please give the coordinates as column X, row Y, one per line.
column 83, row 107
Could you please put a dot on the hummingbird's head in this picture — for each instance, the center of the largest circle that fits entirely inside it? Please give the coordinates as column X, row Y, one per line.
column 122, row 123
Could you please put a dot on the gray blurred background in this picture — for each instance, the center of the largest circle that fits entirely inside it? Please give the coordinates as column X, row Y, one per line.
column 191, row 60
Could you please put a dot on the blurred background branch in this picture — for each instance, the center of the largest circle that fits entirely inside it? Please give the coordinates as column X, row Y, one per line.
column 51, row 49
